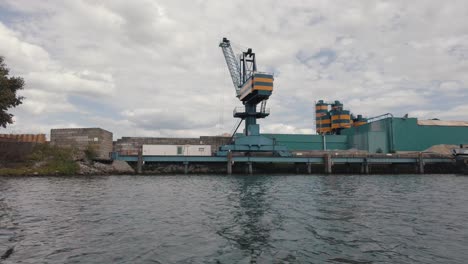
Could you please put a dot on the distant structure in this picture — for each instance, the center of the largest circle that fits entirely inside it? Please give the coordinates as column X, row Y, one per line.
column 98, row 139
column 17, row 147
column 34, row 138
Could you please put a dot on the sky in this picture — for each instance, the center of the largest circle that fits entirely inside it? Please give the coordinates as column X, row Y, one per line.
column 154, row 68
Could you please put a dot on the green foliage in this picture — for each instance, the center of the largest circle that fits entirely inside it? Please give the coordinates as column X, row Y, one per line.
column 8, row 98
column 91, row 153
column 57, row 160
column 46, row 160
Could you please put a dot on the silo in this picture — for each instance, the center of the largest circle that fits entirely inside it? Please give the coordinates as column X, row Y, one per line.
column 340, row 119
column 323, row 124
column 322, row 117
column 337, row 106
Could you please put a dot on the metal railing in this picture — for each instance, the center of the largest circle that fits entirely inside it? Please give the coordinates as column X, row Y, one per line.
column 379, row 117
column 242, row 110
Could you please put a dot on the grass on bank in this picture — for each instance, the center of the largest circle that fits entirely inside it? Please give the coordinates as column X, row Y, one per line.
column 45, row 160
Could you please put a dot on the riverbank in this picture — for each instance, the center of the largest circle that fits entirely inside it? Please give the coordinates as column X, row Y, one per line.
column 49, row 160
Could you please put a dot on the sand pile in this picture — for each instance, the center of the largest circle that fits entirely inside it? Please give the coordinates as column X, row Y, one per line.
column 442, row 149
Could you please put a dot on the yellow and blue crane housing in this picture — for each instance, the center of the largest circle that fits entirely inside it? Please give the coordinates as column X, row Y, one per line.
column 258, row 86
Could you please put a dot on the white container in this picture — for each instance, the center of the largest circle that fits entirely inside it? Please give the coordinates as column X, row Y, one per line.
column 197, row 150
column 176, row 150
column 159, row 150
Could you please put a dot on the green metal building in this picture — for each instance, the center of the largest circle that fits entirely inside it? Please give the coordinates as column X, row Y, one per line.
column 382, row 136
column 406, row 134
column 306, row 142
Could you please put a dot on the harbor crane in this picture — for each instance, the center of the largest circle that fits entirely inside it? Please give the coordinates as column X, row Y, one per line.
column 252, row 88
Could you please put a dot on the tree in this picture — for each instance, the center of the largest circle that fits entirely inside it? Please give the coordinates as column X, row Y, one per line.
column 8, row 97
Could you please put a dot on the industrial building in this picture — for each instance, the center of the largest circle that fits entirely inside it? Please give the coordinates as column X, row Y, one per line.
column 393, row 134
column 386, row 135
column 98, row 139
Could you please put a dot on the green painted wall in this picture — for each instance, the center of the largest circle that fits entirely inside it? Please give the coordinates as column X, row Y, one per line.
column 305, row 142
column 403, row 134
column 411, row 136
column 373, row 137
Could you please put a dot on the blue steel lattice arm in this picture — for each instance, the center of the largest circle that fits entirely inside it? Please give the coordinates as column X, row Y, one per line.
column 233, row 65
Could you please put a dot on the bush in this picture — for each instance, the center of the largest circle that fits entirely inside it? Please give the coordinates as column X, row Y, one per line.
column 54, row 159
column 46, row 160
column 91, row 153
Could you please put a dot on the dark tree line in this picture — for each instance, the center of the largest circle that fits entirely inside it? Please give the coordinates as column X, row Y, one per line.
column 9, row 86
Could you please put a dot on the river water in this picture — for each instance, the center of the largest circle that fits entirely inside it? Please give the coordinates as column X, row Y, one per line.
column 235, row 219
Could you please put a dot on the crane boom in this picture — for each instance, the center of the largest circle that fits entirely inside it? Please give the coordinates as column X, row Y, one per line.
column 233, row 65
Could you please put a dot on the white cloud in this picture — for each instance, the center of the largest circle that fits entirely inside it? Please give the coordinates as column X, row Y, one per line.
column 158, row 71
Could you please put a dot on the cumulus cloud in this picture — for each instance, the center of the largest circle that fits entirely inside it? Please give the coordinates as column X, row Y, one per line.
column 152, row 68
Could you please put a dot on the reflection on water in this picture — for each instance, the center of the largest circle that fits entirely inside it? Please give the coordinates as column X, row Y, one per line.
column 9, row 233
column 238, row 219
column 248, row 227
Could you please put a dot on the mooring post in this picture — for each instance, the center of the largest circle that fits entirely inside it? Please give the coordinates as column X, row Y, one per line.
column 186, row 167
column 309, row 168
column 229, row 163
column 327, row 163
column 420, row 163
column 140, row 162
column 249, row 168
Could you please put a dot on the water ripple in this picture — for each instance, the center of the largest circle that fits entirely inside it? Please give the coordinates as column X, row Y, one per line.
column 237, row 219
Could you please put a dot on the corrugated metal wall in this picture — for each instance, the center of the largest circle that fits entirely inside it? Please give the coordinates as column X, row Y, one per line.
column 305, row 142
column 372, row 137
column 411, row 136
column 403, row 134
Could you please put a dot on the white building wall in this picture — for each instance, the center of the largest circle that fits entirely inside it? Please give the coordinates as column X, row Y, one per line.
column 176, row 150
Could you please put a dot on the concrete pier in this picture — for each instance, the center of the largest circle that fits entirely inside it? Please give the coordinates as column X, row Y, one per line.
column 328, row 163
column 365, row 167
column 229, row 163
column 249, row 168
column 186, row 167
column 140, row 162
column 420, row 163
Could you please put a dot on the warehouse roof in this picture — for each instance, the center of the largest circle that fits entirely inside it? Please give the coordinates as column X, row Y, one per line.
column 442, row 123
